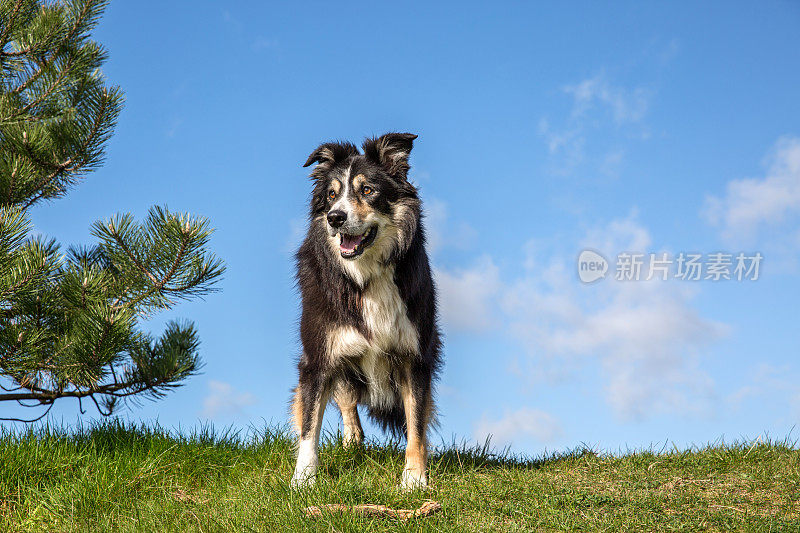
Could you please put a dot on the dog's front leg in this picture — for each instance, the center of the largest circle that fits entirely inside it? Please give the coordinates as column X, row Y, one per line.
column 417, row 405
column 308, row 408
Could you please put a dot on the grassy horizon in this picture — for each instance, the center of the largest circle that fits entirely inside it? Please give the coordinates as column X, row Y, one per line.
column 124, row 477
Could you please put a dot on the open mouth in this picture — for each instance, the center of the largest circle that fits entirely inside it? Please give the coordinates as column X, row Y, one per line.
column 351, row 246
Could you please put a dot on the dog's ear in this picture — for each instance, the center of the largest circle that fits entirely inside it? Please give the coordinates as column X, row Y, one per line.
column 331, row 153
column 391, row 152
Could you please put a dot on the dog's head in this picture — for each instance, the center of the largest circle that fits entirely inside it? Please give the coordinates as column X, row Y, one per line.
column 367, row 205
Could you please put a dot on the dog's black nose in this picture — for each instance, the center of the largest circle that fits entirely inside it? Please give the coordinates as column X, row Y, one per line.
column 336, row 218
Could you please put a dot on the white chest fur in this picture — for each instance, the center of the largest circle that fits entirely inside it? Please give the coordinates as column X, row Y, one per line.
column 390, row 331
column 386, row 318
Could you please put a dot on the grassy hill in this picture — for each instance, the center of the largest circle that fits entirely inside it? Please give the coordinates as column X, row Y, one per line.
column 117, row 477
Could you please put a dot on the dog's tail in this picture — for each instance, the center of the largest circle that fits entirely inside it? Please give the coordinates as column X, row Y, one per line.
column 390, row 419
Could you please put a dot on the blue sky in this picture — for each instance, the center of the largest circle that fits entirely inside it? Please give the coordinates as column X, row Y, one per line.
column 544, row 129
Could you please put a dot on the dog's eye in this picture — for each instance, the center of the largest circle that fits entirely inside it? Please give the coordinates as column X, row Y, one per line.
column 332, row 194
column 366, row 190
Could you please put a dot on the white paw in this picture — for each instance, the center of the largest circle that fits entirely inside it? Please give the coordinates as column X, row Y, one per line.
column 351, row 440
column 305, row 470
column 413, row 480
column 303, row 479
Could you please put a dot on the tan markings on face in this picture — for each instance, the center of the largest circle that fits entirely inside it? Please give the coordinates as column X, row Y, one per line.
column 362, row 209
column 360, row 206
column 336, row 186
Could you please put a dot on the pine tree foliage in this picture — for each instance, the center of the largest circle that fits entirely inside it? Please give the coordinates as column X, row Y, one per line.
column 69, row 320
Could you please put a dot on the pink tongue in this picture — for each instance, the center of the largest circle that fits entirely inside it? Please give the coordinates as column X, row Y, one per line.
column 349, row 242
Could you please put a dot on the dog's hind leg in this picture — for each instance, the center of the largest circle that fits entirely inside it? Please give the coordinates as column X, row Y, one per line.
column 308, row 408
column 347, row 400
column 417, row 402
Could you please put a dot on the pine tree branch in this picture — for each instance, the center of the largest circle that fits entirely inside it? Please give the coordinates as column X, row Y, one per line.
column 134, row 259
column 29, row 153
column 68, row 323
column 99, row 409
column 14, row 288
column 78, row 21
column 11, row 183
column 18, row 53
column 64, row 72
column 61, row 168
column 11, row 389
column 28, row 421
column 9, row 24
column 62, row 75
column 110, row 389
column 178, row 257
column 159, row 286
column 64, row 167
column 32, row 78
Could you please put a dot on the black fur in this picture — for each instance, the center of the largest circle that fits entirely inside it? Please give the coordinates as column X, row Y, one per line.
column 331, row 299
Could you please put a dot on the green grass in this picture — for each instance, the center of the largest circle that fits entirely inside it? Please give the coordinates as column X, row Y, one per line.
column 116, row 477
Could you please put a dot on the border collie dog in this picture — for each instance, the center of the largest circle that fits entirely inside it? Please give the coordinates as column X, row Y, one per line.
column 368, row 324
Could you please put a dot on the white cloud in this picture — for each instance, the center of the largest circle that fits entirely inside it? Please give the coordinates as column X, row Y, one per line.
column 645, row 336
column 648, row 345
column 442, row 233
column 517, row 425
column 567, row 144
column 466, row 297
column 224, row 400
column 596, row 104
column 778, row 384
column 625, row 105
column 749, row 204
column 435, row 220
column 620, row 235
column 611, row 163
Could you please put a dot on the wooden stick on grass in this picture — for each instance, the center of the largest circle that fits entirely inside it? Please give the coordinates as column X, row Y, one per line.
column 426, row 509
